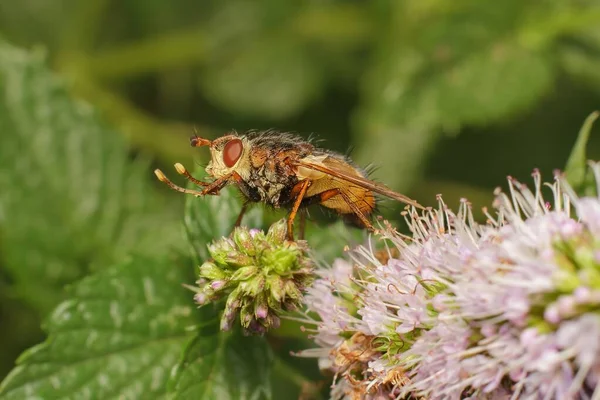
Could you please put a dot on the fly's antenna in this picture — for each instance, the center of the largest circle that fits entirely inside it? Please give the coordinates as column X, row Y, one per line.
column 197, row 141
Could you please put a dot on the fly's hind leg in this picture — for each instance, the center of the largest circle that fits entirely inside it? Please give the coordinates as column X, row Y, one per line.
column 328, row 194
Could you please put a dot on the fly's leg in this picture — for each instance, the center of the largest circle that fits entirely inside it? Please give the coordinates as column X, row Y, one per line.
column 238, row 221
column 328, row 194
column 357, row 211
column 290, row 221
column 216, row 186
column 302, row 223
column 236, row 177
column 182, row 171
column 209, row 188
column 161, row 177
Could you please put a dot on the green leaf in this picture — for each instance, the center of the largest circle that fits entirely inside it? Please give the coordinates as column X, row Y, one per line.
column 271, row 78
column 576, row 167
column 118, row 336
column 223, row 365
column 71, row 197
column 212, row 217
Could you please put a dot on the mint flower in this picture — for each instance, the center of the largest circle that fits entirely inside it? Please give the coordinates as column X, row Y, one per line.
column 261, row 275
column 463, row 310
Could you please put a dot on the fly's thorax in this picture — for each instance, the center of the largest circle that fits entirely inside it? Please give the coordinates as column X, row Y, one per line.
column 218, row 168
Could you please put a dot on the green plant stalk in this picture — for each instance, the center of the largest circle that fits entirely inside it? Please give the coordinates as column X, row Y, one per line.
column 175, row 49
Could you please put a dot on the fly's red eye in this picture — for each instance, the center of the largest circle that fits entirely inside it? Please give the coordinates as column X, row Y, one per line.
column 232, row 152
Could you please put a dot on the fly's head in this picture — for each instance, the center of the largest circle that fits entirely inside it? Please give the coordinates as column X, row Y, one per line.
column 229, row 153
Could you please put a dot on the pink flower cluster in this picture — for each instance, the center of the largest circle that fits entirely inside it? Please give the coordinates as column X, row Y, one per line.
column 507, row 309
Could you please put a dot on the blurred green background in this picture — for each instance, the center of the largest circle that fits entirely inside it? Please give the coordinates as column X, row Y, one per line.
column 441, row 96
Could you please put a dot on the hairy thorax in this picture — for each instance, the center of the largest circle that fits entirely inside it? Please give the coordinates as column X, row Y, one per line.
column 269, row 186
column 271, row 177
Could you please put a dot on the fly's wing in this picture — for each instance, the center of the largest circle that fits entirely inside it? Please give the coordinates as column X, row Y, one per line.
column 343, row 171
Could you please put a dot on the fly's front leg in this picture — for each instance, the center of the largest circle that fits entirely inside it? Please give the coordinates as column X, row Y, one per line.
column 216, row 186
column 182, row 171
column 209, row 188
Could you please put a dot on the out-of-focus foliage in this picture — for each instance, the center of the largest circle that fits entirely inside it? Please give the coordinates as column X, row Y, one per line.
column 70, row 196
column 409, row 72
column 442, row 96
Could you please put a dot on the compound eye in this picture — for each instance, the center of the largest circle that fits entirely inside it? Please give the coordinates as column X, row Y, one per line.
column 232, row 152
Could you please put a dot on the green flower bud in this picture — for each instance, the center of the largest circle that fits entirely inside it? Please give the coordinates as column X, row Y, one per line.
column 209, row 270
column 221, row 249
column 261, row 275
column 244, row 241
column 236, row 259
column 261, row 308
column 247, row 314
column 234, row 299
column 252, row 287
column 244, row 273
column 304, row 280
column 281, row 259
column 277, row 232
column 276, row 284
column 292, row 291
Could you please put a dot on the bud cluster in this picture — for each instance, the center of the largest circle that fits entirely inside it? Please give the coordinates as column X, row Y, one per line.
column 261, row 274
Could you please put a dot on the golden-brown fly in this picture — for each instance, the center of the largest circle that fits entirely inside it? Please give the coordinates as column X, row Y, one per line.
column 284, row 170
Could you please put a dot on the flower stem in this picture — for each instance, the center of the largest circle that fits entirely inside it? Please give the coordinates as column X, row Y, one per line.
column 175, row 49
